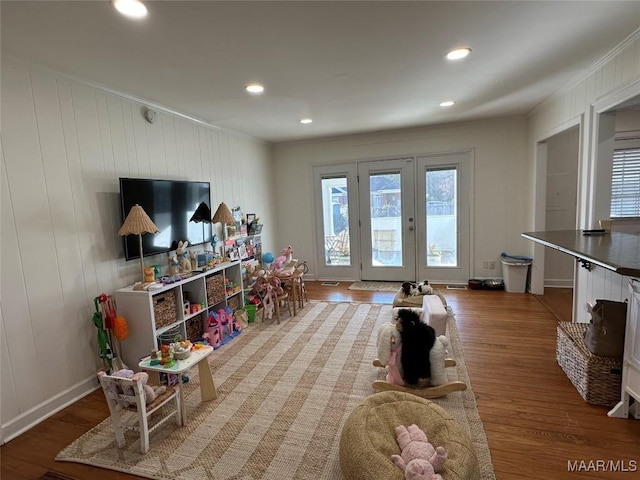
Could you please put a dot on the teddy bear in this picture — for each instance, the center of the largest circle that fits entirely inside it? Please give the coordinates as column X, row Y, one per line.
column 418, row 458
column 150, row 392
column 422, row 357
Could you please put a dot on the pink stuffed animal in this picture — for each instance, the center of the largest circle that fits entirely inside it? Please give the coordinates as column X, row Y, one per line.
column 418, row 459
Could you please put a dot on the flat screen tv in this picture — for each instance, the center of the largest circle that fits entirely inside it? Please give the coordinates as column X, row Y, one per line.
column 170, row 204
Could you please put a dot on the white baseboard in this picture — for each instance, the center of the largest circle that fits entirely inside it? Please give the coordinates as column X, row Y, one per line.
column 558, row 283
column 46, row 409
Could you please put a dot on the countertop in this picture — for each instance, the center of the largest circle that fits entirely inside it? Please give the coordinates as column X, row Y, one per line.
column 616, row 251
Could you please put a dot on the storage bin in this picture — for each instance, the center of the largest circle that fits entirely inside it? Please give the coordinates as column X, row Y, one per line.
column 170, row 335
column 164, row 308
column 597, row 379
column 215, row 289
column 234, row 302
column 195, row 326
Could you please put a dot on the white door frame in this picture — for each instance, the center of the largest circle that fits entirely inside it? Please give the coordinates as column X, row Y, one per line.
column 406, row 270
column 337, row 272
column 463, row 162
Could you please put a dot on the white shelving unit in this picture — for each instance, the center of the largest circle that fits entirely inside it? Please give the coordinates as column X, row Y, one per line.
column 150, row 314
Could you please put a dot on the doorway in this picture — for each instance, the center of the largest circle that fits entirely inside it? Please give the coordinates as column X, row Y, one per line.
column 400, row 219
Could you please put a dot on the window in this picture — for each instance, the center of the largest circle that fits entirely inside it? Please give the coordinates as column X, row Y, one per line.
column 625, row 183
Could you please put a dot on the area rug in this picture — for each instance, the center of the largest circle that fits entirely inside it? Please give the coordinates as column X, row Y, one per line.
column 376, row 286
column 284, row 393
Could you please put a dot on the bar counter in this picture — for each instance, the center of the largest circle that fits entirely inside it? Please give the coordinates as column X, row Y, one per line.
column 615, row 251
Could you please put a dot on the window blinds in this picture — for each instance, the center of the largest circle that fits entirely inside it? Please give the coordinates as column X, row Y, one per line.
column 625, row 183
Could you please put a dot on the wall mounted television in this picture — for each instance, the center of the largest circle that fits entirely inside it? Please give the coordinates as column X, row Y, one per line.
column 170, row 204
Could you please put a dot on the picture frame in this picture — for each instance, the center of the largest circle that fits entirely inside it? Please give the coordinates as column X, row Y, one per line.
column 251, row 217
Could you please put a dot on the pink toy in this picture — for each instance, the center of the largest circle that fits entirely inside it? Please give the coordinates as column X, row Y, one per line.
column 213, row 332
column 418, row 459
column 285, row 259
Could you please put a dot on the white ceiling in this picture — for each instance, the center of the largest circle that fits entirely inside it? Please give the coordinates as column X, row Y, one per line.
column 351, row 66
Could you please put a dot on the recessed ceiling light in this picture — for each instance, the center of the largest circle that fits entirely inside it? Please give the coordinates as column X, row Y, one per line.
column 306, row 120
column 447, row 103
column 254, row 88
column 131, row 8
column 458, row 53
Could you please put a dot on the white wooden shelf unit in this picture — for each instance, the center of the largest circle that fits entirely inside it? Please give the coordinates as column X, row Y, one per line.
column 155, row 313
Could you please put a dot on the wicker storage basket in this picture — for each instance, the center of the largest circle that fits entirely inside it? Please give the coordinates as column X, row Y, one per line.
column 234, row 302
column 215, row 289
column 164, row 308
column 597, row 379
column 195, row 327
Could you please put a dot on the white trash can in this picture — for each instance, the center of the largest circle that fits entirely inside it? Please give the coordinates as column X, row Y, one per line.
column 514, row 272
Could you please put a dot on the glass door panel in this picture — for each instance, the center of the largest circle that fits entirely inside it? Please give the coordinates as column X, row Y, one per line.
column 441, row 207
column 335, row 215
column 387, row 220
column 336, row 211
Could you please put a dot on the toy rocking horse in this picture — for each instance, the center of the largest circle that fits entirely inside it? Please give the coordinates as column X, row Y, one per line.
column 415, row 358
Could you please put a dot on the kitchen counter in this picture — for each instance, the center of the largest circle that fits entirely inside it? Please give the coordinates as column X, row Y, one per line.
column 616, row 251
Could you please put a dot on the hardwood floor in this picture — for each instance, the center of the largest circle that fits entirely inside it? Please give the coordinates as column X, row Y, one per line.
column 535, row 420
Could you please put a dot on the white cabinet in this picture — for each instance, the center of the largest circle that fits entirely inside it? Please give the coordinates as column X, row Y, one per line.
column 631, row 360
column 159, row 315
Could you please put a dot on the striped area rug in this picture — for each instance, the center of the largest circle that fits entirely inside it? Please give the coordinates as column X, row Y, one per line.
column 284, row 392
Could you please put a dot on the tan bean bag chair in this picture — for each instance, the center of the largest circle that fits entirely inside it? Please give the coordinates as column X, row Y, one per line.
column 368, row 438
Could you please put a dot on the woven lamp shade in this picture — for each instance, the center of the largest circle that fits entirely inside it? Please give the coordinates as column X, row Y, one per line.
column 223, row 215
column 137, row 222
column 202, row 214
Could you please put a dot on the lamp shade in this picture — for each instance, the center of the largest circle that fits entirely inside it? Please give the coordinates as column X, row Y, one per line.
column 137, row 222
column 223, row 215
column 202, row 214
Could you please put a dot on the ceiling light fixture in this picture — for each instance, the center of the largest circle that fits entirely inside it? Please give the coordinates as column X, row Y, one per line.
column 254, row 88
column 131, row 8
column 458, row 53
column 306, row 120
column 447, row 103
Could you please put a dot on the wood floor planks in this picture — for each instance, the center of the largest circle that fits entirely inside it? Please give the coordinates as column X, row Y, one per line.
column 535, row 420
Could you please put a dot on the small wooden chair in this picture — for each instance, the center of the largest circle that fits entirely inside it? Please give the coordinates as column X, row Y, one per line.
column 131, row 412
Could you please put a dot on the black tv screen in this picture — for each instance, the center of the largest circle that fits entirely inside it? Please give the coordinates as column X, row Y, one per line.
column 170, row 204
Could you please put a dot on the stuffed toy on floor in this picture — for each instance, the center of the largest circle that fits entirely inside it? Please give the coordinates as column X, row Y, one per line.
column 418, row 459
column 411, row 351
column 413, row 289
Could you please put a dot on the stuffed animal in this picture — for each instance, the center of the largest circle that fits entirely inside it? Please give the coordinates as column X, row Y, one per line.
column 150, row 392
column 389, row 349
column 411, row 289
column 418, row 458
column 403, row 346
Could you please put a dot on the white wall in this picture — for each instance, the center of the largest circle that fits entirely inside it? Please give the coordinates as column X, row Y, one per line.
column 618, row 74
column 64, row 145
column 501, row 191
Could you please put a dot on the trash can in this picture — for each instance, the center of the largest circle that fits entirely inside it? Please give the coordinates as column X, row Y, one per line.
column 514, row 271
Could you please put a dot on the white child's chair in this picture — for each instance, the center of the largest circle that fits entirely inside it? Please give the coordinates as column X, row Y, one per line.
column 129, row 411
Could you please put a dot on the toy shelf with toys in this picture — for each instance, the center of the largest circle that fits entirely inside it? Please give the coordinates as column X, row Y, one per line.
column 181, row 308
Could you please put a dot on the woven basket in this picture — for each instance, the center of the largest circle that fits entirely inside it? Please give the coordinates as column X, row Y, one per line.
column 597, row 379
column 164, row 308
column 215, row 289
column 195, row 327
column 234, row 302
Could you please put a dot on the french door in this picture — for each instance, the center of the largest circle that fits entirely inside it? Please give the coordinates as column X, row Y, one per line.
column 387, row 219
column 397, row 220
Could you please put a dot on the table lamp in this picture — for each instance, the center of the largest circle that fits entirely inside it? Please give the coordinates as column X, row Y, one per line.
column 202, row 214
column 224, row 216
column 137, row 223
